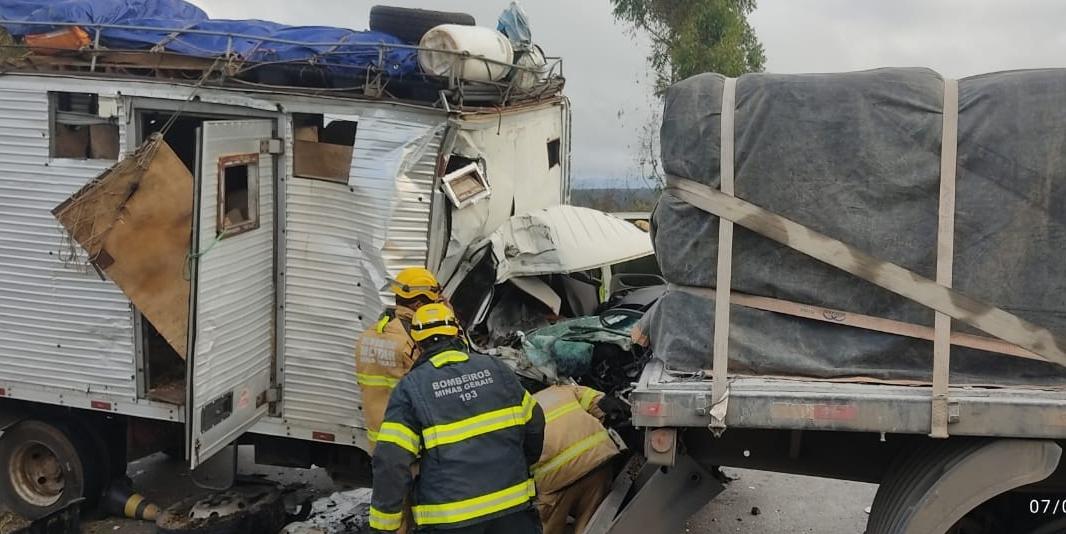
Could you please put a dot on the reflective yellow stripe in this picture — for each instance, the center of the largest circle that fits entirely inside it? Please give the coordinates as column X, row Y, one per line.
column 528, row 403
column 371, row 435
column 587, row 396
column 448, row 356
column 560, row 411
column 544, row 469
column 381, row 381
column 399, row 435
column 384, row 521
column 477, row 425
column 382, row 323
column 465, row 510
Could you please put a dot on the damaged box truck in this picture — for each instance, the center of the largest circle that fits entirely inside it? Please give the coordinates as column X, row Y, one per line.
column 190, row 246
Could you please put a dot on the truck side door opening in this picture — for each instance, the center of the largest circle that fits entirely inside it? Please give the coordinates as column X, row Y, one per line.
column 164, row 369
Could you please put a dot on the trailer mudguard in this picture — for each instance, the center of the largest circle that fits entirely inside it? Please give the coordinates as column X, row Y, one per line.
column 929, row 489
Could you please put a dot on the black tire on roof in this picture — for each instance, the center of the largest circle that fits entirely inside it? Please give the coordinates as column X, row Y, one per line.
column 411, row 24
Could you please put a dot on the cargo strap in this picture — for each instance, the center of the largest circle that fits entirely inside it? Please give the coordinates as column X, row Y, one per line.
column 903, row 282
column 944, row 251
column 724, row 276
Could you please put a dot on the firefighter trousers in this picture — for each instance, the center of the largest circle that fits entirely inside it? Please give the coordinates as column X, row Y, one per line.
column 578, row 500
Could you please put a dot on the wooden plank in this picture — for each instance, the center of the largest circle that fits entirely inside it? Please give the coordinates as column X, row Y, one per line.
column 724, row 275
column 945, row 250
column 322, row 161
column 984, row 317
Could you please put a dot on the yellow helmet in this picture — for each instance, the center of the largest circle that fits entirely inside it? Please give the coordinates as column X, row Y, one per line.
column 415, row 281
column 435, row 319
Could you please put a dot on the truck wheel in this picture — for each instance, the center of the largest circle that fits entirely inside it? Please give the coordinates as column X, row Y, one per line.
column 40, row 469
column 411, row 24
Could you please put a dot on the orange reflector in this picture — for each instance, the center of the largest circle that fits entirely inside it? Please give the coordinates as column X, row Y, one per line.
column 100, row 405
column 662, row 440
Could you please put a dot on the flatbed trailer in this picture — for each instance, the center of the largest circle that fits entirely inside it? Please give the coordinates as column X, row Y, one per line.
column 682, row 400
column 1000, row 461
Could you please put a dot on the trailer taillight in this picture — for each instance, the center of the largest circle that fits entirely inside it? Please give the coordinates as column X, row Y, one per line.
column 100, row 405
column 651, row 409
column 323, row 436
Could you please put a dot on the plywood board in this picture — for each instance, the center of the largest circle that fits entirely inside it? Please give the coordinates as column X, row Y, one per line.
column 135, row 223
column 322, row 161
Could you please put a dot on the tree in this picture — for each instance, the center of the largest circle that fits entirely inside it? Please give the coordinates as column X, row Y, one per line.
column 689, row 37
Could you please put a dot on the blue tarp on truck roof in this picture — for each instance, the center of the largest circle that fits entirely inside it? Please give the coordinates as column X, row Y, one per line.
column 165, row 25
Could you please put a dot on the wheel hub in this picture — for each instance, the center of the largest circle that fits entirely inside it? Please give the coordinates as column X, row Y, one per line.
column 36, row 474
column 218, row 506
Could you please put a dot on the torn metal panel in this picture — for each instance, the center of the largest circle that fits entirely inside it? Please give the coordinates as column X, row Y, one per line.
column 342, row 242
column 565, row 239
column 517, row 167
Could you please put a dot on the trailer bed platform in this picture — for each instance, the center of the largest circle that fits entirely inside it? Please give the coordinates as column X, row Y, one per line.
column 666, row 399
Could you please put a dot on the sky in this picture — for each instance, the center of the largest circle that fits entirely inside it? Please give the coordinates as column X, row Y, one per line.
column 606, row 70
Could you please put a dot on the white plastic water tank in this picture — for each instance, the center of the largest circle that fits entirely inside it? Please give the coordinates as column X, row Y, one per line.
column 463, row 50
column 535, row 68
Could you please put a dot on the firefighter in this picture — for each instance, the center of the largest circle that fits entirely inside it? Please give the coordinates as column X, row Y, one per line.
column 473, row 431
column 385, row 352
column 574, row 474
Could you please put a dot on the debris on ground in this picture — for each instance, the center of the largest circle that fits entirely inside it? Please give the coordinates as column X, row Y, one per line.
column 344, row 512
column 12, row 522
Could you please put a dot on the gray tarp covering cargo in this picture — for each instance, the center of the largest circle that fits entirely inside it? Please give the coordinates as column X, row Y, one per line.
column 856, row 156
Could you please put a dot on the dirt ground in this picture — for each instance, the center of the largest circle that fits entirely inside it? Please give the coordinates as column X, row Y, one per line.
column 784, row 503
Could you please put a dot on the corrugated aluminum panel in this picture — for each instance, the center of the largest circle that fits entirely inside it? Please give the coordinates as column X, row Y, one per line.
column 340, row 243
column 234, row 341
column 62, row 326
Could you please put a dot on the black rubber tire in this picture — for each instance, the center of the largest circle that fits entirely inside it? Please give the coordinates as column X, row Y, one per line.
column 909, row 476
column 411, row 24
column 59, row 443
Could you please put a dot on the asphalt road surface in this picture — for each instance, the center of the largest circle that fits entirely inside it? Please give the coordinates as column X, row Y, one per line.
column 756, row 503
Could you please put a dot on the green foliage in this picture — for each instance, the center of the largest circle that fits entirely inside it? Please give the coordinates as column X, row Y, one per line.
column 689, row 37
